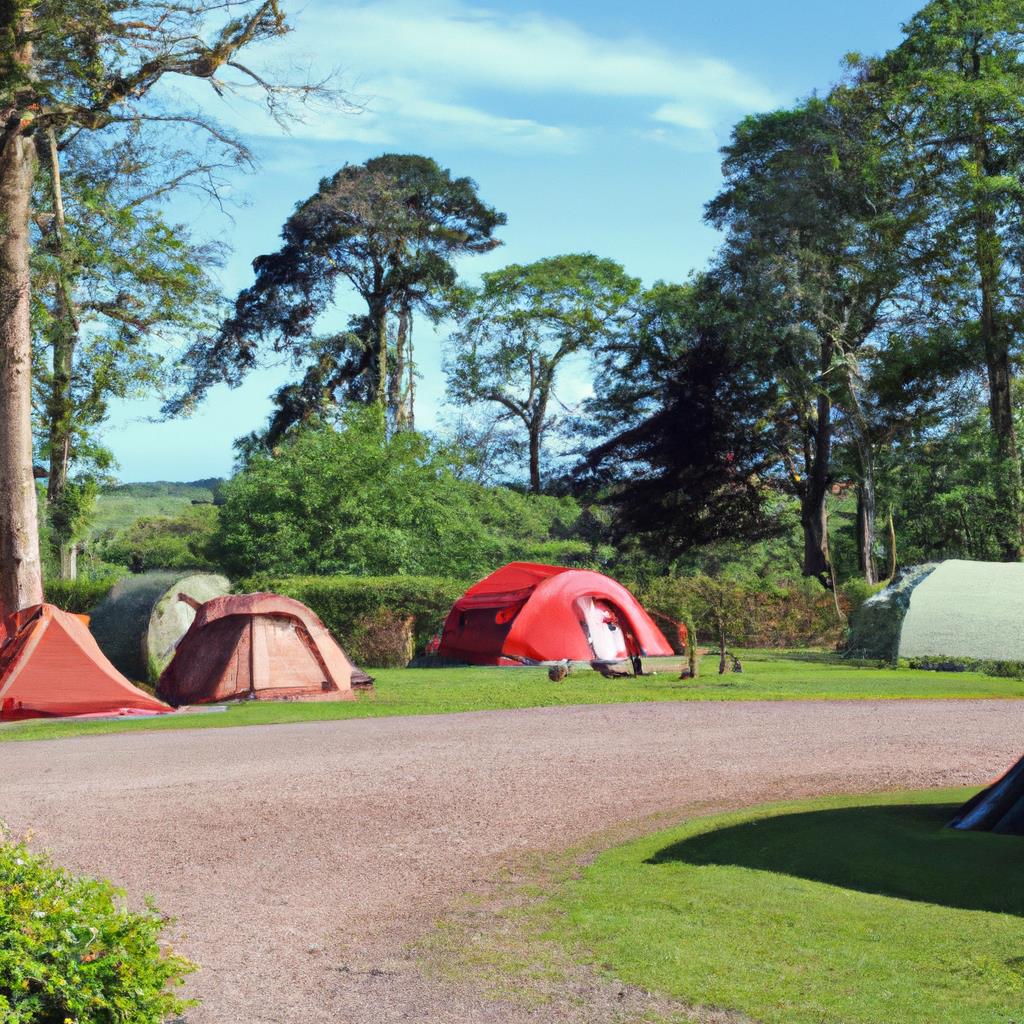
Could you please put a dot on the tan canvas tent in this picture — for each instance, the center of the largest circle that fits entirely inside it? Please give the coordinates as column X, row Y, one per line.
column 258, row 646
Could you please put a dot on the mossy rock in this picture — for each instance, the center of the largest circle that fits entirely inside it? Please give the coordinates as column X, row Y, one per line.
column 141, row 619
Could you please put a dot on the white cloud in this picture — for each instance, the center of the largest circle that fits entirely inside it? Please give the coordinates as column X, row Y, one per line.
column 437, row 67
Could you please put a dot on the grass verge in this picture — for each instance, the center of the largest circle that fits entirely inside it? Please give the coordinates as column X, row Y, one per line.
column 767, row 676
column 846, row 910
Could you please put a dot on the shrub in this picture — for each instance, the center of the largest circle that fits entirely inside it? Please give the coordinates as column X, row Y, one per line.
column 781, row 613
column 79, row 596
column 383, row 639
column 344, row 602
column 351, row 499
column 857, row 591
column 163, row 542
column 71, row 951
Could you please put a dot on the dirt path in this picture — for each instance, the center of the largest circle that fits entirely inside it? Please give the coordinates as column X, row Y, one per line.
column 299, row 859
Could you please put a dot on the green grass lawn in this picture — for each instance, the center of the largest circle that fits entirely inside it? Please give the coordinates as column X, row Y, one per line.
column 834, row 911
column 767, row 676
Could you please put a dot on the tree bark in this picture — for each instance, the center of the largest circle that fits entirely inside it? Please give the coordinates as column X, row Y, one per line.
column 399, row 393
column 866, row 511
column 892, row 546
column 21, row 582
column 813, row 513
column 535, row 482
column 60, row 403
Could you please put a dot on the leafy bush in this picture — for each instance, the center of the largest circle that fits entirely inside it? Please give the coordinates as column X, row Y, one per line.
column 856, row 591
column 352, row 500
column 79, row 596
column 163, row 542
column 782, row 613
column 943, row 663
column 383, row 639
column 346, row 603
column 71, row 952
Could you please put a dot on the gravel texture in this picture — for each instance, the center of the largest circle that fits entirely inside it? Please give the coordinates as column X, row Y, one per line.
column 300, row 860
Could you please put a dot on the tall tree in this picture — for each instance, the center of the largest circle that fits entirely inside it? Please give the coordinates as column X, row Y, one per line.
column 391, row 228
column 818, row 218
column 85, row 65
column 517, row 330
column 955, row 87
column 115, row 288
column 700, row 464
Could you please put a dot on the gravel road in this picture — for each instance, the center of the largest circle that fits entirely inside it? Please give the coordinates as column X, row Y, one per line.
column 300, row 859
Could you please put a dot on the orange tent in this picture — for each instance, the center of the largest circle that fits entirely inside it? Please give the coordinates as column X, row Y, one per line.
column 50, row 666
column 258, row 646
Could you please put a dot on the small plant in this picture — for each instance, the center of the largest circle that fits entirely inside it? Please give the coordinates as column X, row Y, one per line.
column 72, row 953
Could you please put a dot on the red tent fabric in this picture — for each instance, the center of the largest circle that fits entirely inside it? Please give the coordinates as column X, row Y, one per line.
column 258, row 646
column 526, row 613
column 50, row 666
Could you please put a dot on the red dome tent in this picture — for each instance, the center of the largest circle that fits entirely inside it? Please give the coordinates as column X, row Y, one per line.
column 50, row 666
column 257, row 646
column 526, row 613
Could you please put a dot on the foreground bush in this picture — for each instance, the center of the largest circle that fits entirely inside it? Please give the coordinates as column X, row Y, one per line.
column 70, row 953
column 353, row 607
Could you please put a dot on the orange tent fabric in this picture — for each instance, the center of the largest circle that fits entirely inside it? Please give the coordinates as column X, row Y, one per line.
column 258, row 646
column 527, row 613
column 50, row 666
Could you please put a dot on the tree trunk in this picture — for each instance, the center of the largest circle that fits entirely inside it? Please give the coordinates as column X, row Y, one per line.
column 410, row 391
column 60, row 402
column 866, row 530
column 892, row 546
column 813, row 514
column 69, row 561
column 21, row 582
column 535, row 483
column 398, row 393
column 377, row 360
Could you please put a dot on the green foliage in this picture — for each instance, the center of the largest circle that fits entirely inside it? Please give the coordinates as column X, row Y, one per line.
column 118, row 506
column 71, row 952
column 348, row 605
column 163, row 542
column 355, row 501
column 781, row 612
column 391, row 228
column 996, row 669
column 856, row 591
column 383, row 639
column 942, row 494
column 520, row 327
column 79, row 596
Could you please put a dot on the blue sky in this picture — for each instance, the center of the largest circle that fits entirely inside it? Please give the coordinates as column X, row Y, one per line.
column 594, row 125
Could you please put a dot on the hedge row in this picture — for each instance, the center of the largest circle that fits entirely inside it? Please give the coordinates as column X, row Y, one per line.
column 782, row 613
column 71, row 951
column 79, row 596
column 355, row 608
column 368, row 614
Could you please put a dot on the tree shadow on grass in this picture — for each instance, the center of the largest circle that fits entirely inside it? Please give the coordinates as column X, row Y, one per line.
column 900, row 850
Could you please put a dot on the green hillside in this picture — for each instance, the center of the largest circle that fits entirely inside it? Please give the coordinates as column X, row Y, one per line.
column 120, row 505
